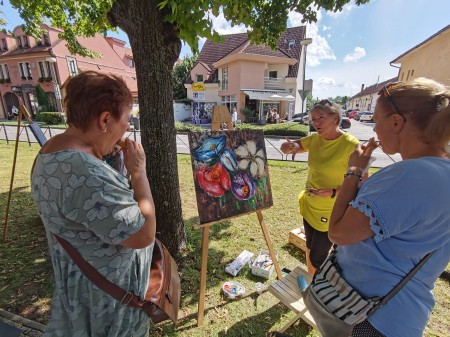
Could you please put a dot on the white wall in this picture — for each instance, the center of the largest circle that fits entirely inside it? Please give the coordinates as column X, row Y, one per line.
column 181, row 111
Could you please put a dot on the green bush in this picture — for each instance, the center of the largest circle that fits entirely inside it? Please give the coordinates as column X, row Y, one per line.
column 286, row 129
column 50, row 118
column 183, row 127
column 290, row 129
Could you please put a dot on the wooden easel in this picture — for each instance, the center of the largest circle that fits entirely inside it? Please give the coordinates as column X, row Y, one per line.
column 23, row 113
column 205, row 244
column 220, row 115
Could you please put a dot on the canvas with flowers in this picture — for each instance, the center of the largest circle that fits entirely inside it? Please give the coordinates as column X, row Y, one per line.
column 231, row 175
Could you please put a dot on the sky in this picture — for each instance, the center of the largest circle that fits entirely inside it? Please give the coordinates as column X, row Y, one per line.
column 350, row 48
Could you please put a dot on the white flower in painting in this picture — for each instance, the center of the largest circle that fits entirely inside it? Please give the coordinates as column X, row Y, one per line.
column 250, row 156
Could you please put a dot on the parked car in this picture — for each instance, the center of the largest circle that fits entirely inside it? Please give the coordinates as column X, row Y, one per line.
column 358, row 115
column 353, row 113
column 345, row 123
column 366, row 116
column 295, row 118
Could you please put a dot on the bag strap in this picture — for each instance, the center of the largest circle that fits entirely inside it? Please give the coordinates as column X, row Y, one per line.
column 402, row 283
column 124, row 297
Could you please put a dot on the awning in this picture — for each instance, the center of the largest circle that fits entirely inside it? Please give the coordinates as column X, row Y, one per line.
column 264, row 95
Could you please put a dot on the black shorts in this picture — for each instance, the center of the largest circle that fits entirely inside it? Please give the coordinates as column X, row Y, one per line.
column 318, row 244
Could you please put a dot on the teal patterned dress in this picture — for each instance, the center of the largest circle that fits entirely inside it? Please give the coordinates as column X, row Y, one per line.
column 88, row 203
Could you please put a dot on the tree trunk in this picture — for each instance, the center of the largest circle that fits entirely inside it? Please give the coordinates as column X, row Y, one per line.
column 156, row 47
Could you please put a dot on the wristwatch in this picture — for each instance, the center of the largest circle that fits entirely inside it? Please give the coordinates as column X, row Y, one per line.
column 354, row 171
column 334, row 194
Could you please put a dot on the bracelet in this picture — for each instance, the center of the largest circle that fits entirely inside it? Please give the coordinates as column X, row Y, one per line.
column 350, row 173
column 334, row 194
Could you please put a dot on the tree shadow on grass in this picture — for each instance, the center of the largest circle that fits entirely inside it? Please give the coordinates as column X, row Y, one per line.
column 26, row 281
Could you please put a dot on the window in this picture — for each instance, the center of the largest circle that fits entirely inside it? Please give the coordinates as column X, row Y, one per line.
column 2, row 77
column 29, row 74
column 412, row 73
column 4, row 44
column 225, row 78
column 73, row 68
column 407, row 76
column 19, row 42
column 46, row 40
column 199, row 78
column 26, row 41
column 23, row 70
column 291, row 43
column 48, row 70
column 6, row 72
column 273, row 74
column 41, row 70
column 401, row 80
column 131, row 63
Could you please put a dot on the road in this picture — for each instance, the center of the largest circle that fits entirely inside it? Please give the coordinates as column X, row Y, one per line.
column 361, row 130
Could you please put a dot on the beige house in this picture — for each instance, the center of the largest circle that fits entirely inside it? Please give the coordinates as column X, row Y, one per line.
column 365, row 100
column 429, row 58
column 239, row 74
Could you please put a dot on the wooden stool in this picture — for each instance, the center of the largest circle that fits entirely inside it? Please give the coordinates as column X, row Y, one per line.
column 288, row 292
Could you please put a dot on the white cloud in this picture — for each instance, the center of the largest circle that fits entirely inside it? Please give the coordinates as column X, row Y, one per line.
column 223, row 27
column 345, row 11
column 325, row 28
column 319, row 49
column 358, row 53
column 326, row 81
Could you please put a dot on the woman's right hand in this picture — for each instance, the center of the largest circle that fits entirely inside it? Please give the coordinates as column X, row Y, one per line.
column 134, row 158
column 290, row 147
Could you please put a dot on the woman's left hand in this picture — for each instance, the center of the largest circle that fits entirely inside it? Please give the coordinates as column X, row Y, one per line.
column 360, row 158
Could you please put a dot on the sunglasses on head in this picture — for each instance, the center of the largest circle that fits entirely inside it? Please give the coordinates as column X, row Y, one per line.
column 324, row 102
column 385, row 91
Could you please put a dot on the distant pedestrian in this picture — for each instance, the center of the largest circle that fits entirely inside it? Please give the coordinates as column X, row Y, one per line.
column 197, row 118
column 234, row 116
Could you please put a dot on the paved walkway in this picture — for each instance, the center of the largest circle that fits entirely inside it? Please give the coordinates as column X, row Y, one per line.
column 362, row 131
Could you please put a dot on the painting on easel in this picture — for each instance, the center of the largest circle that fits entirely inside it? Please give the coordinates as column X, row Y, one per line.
column 230, row 170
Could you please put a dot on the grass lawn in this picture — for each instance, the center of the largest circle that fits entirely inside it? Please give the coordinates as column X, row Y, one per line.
column 26, row 275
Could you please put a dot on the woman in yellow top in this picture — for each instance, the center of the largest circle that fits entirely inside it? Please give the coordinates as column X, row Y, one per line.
column 329, row 150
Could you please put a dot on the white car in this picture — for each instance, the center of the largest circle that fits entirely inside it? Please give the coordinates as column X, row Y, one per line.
column 366, row 116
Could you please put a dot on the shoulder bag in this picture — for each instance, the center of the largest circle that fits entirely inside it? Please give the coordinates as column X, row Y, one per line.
column 335, row 306
column 162, row 299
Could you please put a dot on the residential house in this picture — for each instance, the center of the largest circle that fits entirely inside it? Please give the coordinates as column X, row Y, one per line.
column 26, row 62
column 365, row 100
column 429, row 58
column 237, row 73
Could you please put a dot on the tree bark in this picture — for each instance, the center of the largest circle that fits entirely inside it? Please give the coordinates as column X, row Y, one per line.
column 156, row 47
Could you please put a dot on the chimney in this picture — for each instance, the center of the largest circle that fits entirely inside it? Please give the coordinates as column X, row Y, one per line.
column 362, row 87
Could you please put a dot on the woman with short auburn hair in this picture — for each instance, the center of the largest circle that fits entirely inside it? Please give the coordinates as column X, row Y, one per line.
column 83, row 200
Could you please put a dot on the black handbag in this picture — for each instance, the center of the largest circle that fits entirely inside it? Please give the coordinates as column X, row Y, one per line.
column 162, row 300
column 335, row 306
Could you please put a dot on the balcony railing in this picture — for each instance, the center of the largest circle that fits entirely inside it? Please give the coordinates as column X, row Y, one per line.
column 274, row 83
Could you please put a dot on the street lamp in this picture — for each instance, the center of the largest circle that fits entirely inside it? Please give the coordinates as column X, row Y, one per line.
column 52, row 60
column 303, row 93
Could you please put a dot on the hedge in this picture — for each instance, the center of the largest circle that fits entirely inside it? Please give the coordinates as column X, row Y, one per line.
column 291, row 129
column 50, row 118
